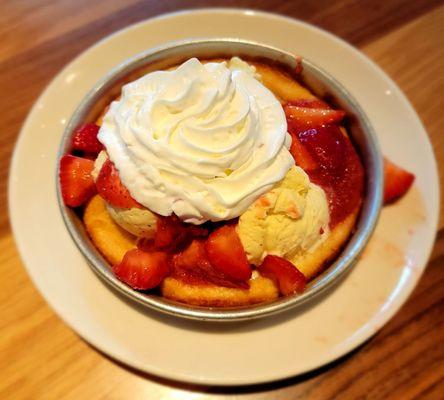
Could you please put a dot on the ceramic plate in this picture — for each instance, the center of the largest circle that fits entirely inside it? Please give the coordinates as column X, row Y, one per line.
column 229, row 353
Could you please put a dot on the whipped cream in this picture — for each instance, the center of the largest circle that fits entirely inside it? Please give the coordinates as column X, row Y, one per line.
column 203, row 141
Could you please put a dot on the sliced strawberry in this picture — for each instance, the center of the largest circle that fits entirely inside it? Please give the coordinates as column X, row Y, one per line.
column 85, row 139
column 168, row 229
column 76, row 182
column 192, row 265
column 196, row 231
column 309, row 103
column 142, row 270
column 289, row 279
column 172, row 233
column 226, row 253
column 301, row 155
column 396, row 181
column 111, row 188
column 308, row 118
column 146, row 244
column 193, row 256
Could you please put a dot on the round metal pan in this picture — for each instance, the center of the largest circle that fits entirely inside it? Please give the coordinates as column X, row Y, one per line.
column 319, row 82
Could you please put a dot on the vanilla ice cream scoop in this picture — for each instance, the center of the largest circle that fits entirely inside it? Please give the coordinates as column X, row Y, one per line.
column 138, row 221
column 289, row 221
column 203, row 141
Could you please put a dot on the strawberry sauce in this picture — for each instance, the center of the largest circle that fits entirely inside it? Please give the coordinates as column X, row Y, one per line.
column 334, row 165
column 193, row 266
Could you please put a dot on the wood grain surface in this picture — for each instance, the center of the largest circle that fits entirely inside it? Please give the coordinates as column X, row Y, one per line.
column 41, row 358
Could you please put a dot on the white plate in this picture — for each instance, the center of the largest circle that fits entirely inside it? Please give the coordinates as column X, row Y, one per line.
column 236, row 353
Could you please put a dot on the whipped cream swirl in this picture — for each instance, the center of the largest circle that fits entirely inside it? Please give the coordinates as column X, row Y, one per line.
column 203, row 141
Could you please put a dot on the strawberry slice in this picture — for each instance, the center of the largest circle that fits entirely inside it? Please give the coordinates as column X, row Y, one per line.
column 146, row 244
column 309, row 103
column 85, row 139
column 168, row 231
column 193, row 256
column 396, row 181
column 172, row 233
column 289, row 279
column 192, row 265
column 142, row 270
column 76, row 182
column 301, row 155
column 307, row 118
column 226, row 253
column 111, row 188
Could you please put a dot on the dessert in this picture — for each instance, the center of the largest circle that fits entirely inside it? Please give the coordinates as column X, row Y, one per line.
column 217, row 183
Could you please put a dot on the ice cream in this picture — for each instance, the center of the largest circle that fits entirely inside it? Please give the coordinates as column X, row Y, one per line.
column 289, row 221
column 139, row 222
column 202, row 141
column 98, row 164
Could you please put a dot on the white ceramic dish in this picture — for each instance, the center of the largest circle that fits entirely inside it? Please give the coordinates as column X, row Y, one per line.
column 232, row 353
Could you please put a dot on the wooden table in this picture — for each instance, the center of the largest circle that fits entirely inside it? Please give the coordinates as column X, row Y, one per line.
column 42, row 358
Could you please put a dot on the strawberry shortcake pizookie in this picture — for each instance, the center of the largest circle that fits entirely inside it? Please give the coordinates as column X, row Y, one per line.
column 218, row 183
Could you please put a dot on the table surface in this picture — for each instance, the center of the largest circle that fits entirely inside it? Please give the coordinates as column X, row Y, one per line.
column 42, row 358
